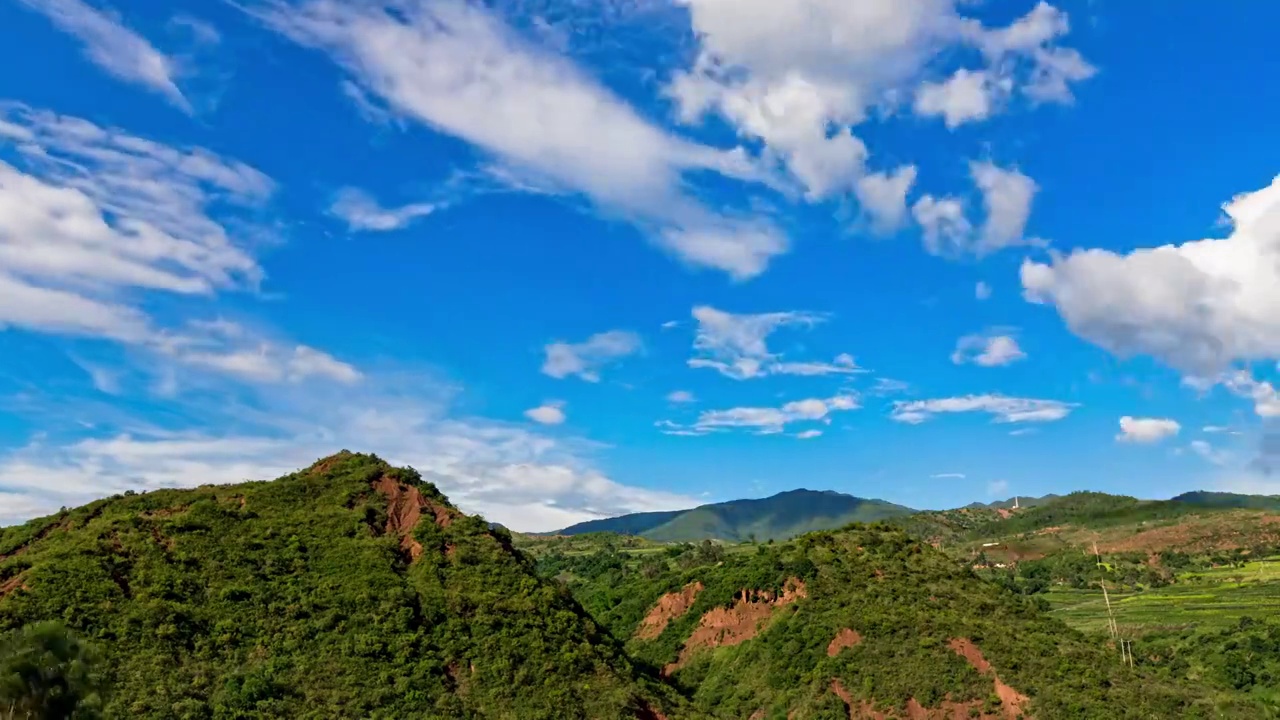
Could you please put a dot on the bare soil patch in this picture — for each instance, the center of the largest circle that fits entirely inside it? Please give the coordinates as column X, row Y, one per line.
column 669, row 607
column 739, row 622
column 12, row 584
column 404, row 509
column 1013, row 702
column 843, row 639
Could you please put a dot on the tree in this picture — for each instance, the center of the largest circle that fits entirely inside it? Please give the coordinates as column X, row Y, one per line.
column 46, row 672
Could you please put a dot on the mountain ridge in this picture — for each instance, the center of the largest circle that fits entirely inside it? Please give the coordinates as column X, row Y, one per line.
column 777, row 517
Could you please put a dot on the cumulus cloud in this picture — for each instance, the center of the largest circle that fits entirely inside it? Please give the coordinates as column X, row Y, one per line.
column 1003, row 408
column 736, row 345
column 987, row 350
column 943, row 224
column 680, row 396
column 1198, row 307
column 967, row 96
column 361, row 212
column 114, row 48
column 764, row 420
column 799, row 77
column 586, row 359
column 1146, row 430
column 808, row 434
column 460, row 69
column 883, row 196
column 1006, row 195
column 548, row 413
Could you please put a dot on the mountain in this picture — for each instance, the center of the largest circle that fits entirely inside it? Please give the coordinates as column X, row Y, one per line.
column 350, row 589
column 870, row 622
column 1204, row 498
column 781, row 516
column 1020, row 502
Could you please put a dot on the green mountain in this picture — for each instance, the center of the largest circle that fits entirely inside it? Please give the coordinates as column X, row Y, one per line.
column 1204, row 498
column 870, row 622
column 1020, row 502
column 350, row 589
column 781, row 516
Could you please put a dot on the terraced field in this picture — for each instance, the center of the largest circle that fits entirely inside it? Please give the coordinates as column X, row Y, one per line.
column 1208, row 599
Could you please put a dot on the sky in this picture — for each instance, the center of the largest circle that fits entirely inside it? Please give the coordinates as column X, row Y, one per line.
column 578, row 258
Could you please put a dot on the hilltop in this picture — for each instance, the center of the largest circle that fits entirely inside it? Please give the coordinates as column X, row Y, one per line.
column 349, row 589
column 779, row 517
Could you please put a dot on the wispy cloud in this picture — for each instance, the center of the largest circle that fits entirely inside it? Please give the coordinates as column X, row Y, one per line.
column 113, row 47
column 736, row 345
column 1003, row 408
column 764, row 420
column 361, row 212
column 586, row 359
column 460, row 69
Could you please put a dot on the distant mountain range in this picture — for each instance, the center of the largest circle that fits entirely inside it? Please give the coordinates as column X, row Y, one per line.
column 779, row 517
column 796, row 512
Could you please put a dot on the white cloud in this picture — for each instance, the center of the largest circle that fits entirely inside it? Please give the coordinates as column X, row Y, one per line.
column 680, row 396
column 1146, row 430
column 889, row 386
column 948, row 476
column 982, row 291
column 458, row 69
column 1214, row 429
column 1005, row 409
column 764, row 420
column 987, row 350
column 361, row 212
column 1197, row 307
column 1007, row 196
column 799, row 76
column 736, row 345
column 883, row 197
column 548, row 413
column 967, row 96
column 587, row 358
column 808, row 434
column 1265, row 396
column 945, row 229
column 1210, row 453
column 113, row 47
column 998, row 488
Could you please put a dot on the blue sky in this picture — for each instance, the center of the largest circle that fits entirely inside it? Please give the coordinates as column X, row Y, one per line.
column 574, row 259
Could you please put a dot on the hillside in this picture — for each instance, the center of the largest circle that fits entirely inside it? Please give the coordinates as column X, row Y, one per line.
column 868, row 622
column 779, row 517
column 350, row 589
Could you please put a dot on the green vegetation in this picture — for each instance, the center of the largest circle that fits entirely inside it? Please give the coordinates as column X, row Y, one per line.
column 907, row 602
column 351, row 589
column 782, row 516
column 354, row 589
column 47, row 672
